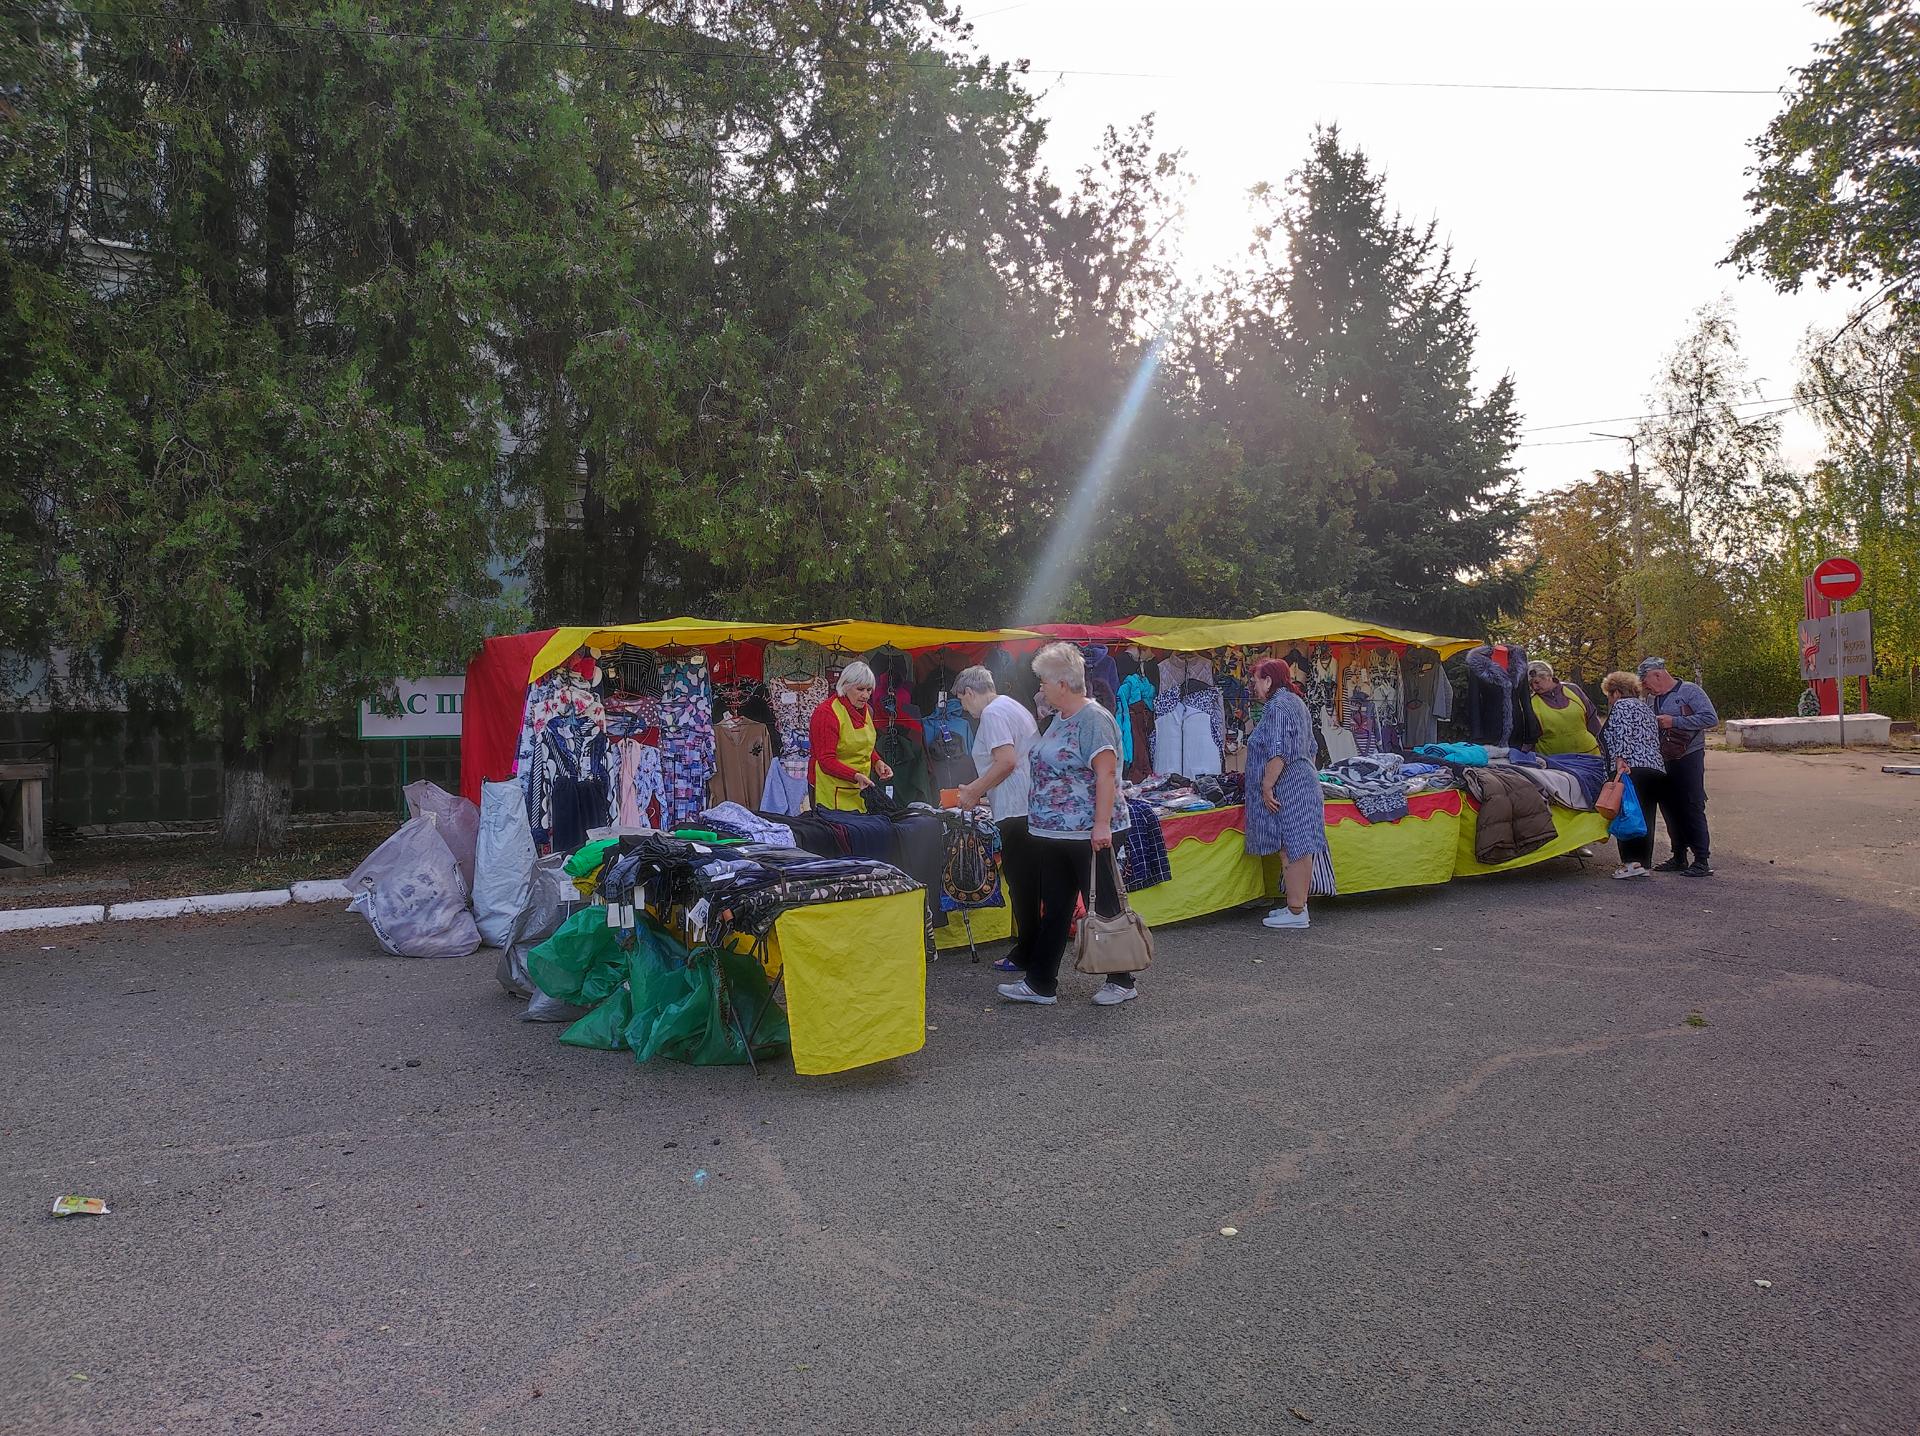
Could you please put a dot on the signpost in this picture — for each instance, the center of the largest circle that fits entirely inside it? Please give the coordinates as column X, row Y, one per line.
column 429, row 708
column 1822, row 649
column 1837, row 578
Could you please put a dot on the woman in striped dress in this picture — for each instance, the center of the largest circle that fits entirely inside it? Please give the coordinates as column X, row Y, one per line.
column 1284, row 811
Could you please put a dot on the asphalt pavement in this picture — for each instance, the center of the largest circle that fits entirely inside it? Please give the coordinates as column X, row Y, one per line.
column 1538, row 1153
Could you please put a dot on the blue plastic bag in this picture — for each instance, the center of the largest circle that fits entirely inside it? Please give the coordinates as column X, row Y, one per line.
column 1632, row 823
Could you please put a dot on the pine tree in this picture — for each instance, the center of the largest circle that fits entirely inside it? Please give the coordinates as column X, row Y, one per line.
column 1368, row 315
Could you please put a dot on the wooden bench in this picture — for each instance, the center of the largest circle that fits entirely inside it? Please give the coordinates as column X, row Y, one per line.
column 23, row 787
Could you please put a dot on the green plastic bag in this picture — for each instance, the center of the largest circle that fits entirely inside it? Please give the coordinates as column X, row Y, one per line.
column 582, row 962
column 685, row 1005
column 604, row 1028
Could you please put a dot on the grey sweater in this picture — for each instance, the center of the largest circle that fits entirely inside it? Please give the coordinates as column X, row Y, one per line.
column 1691, row 710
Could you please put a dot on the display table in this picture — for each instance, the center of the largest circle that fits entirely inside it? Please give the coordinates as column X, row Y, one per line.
column 856, row 975
column 1213, row 871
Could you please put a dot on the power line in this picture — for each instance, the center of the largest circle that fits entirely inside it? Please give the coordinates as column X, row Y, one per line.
column 1786, row 408
column 1788, row 400
column 1542, row 89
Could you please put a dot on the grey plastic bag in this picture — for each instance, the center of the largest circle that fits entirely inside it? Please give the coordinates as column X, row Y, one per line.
column 550, row 898
column 409, row 890
column 503, row 862
column 459, row 821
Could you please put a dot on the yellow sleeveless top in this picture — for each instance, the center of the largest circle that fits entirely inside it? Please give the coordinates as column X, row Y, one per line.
column 1563, row 730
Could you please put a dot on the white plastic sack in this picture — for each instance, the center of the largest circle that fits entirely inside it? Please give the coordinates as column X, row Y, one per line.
column 459, row 822
column 503, row 861
column 409, row 889
column 552, row 897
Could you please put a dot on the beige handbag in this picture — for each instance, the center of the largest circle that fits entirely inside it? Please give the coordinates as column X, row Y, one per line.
column 1104, row 945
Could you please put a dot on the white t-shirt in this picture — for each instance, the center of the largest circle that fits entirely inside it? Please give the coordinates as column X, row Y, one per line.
column 1002, row 722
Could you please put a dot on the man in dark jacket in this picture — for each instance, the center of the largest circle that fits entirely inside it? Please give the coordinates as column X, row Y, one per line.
column 1685, row 715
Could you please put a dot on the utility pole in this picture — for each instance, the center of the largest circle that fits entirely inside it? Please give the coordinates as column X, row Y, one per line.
column 1632, row 441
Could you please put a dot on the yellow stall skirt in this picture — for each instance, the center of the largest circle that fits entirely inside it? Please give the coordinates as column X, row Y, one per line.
column 1216, row 873
column 856, row 980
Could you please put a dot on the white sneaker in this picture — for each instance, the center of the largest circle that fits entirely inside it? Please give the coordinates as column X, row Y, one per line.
column 1020, row 992
column 1112, row 994
column 1286, row 917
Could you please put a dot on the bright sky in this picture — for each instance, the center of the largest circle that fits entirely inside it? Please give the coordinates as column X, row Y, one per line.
column 1596, row 221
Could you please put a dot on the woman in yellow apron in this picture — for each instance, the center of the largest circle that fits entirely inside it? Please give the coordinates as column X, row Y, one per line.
column 841, row 735
column 1568, row 723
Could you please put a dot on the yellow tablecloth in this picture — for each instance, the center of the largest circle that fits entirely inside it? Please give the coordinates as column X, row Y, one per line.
column 1216, row 873
column 856, row 980
column 1574, row 830
column 1371, row 857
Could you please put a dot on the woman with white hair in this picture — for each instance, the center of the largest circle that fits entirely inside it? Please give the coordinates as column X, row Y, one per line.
column 840, row 734
column 1004, row 734
column 1568, row 722
column 1073, row 811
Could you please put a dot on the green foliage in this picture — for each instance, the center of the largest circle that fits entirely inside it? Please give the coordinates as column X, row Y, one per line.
column 263, row 323
column 1837, row 191
column 312, row 322
column 1580, row 616
column 1367, row 320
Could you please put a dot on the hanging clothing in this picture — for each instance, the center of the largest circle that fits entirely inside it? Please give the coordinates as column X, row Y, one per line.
column 948, row 740
column 842, row 741
column 566, row 694
column 642, row 791
column 743, row 754
column 576, row 794
column 1178, row 669
column 1100, row 667
column 1133, row 689
column 1498, row 712
column 1183, row 740
column 686, row 735
column 1429, row 695
column 786, row 786
column 1146, row 847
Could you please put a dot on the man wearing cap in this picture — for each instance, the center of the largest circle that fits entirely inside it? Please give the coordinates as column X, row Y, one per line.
column 1684, row 713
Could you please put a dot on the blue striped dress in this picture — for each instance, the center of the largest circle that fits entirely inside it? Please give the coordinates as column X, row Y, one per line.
column 1285, row 731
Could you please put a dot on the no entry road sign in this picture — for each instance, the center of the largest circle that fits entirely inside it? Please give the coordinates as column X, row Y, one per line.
column 1837, row 578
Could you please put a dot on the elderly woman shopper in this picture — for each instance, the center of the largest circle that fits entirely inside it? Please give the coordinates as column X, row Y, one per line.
column 840, row 735
column 1284, row 811
column 1685, row 714
column 1631, row 739
column 1073, row 811
column 1568, row 723
column 1003, row 738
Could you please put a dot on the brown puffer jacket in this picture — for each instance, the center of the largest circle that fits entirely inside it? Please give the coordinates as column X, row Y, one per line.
column 1513, row 821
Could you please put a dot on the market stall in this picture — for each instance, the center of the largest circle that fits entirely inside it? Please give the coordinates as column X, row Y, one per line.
column 700, row 729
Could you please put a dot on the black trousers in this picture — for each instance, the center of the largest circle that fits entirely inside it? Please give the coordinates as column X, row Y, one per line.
column 1017, row 876
column 1683, row 803
column 1060, row 868
column 1648, row 784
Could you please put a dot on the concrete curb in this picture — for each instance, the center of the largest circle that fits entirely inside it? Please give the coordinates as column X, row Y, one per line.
column 212, row 902
column 32, row 918
column 27, row 919
column 322, row 890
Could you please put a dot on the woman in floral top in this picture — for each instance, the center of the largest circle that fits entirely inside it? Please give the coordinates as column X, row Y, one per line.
column 1631, row 739
column 1073, row 812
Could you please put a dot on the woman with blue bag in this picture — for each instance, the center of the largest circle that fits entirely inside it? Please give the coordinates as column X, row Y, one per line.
column 1631, row 738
